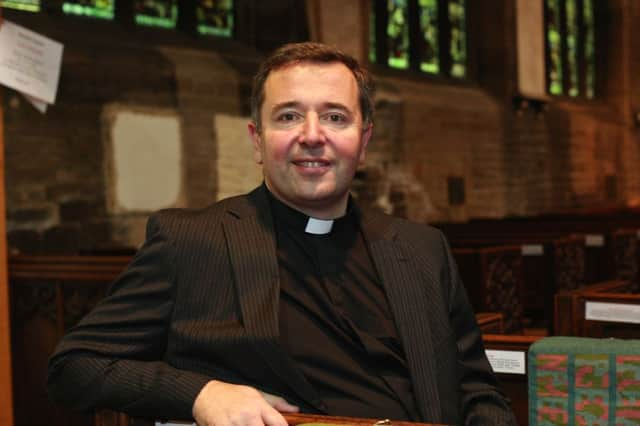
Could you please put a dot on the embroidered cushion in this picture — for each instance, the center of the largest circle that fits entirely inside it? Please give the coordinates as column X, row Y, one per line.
column 584, row 381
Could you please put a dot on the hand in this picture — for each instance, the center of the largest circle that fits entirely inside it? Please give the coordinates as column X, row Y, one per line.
column 225, row 404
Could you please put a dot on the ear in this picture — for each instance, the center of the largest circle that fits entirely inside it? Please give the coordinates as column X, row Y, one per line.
column 254, row 134
column 364, row 141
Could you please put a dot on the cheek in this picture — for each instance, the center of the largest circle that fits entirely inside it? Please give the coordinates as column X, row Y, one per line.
column 350, row 149
column 276, row 147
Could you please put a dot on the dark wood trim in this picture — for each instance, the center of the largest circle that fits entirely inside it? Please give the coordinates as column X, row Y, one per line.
column 6, row 385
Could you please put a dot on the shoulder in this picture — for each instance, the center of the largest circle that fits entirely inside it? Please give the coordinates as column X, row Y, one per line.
column 404, row 230
column 199, row 220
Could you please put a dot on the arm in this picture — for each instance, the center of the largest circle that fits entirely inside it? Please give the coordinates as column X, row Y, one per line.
column 114, row 358
column 482, row 401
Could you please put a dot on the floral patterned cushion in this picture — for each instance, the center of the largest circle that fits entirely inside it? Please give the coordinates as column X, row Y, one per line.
column 584, row 381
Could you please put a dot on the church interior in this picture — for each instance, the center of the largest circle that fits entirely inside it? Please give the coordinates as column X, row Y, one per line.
column 511, row 125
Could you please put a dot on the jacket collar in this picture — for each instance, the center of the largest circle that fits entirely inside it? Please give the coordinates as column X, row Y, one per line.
column 251, row 241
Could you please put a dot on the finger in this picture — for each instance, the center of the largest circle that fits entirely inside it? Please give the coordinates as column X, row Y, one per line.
column 284, row 407
column 280, row 403
column 271, row 417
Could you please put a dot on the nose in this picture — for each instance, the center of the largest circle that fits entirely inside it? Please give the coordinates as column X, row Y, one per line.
column 312, row 132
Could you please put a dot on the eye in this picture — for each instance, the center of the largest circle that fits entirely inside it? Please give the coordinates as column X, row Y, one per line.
column 335, row 117
column 287, row 116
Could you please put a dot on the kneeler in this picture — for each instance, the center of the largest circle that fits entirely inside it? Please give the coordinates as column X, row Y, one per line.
column 584, row 381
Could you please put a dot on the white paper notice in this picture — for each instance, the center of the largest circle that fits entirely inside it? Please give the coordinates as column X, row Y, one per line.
column 532, row 249
column 29, row 62
column 594, row 240
column 510, row 362
column 613, row 312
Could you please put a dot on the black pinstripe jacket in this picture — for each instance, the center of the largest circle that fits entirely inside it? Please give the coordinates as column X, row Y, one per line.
column 200, row 301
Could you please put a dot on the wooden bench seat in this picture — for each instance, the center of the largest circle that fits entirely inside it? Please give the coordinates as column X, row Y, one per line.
column 569, row 306
column 510, row 363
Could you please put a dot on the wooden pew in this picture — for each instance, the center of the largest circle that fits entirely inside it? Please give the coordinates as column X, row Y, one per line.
column 48, row 295
column 625, row 248
column 611, row 314
column 493, row 279
column 597, row 233
column 490, row 322
column 549, row 264
column 569, row 306
column 508, row 357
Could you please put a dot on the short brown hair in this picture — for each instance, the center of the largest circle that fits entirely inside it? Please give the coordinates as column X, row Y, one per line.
column 312, row 52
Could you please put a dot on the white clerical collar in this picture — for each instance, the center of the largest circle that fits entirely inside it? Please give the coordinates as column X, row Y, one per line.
column 318, row 226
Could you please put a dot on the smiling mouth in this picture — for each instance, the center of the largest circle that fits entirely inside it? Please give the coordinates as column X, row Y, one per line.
column 311, row 163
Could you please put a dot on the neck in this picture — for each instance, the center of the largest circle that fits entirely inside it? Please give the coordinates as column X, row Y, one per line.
column 323, row 212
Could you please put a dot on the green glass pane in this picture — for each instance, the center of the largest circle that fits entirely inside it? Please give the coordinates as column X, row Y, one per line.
column 398, row 34
column 215, row 17
column 554, row 46
column 372, row 33
column 572, row 46
column 26, row 5
column 429, row 62
column 458, row 45
column 156, row 13
column 589, row 48
column 102, row 9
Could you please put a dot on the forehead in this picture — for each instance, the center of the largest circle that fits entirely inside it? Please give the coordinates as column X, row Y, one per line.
column 312, row 81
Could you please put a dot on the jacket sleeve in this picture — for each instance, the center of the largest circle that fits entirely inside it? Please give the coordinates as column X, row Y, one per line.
column 482, row 401
column 113, row 358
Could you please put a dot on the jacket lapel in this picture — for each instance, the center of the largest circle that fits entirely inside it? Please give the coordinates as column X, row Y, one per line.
column 251, row 243
column 407, row 291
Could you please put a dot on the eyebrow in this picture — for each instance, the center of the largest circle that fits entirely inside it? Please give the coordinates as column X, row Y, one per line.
column 326, row 105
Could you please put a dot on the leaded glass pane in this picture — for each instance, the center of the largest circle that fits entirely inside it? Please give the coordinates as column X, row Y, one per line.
column 372, row 33
column 102, row 9
column 429, row 61
column 458, row 46
column 215, row 17
column 572, row 46
column 156, row 13
column 554, row 46
column 27, row 5
column 589, row 48
column 398, row 34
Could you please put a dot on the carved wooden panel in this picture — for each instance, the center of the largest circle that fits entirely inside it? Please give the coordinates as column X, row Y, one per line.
column 569, row 255
column 49, row 294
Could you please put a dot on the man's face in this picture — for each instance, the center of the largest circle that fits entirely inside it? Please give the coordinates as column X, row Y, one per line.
column 312, row 137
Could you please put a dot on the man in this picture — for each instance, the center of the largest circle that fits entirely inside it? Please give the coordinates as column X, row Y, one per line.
column 288, row 298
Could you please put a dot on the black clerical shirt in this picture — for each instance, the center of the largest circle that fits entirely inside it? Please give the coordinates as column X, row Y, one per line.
column 335, row 320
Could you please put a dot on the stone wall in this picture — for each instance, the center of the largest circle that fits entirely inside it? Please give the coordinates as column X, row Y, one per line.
column 442, row 151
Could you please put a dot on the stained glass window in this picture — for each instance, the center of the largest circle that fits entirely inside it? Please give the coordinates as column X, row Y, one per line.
column 102, row 9
column 156, row 13
column 589, row 48
column 458, row 39
column 28, row 5
column 429, row 60
column 571, row 53
column 555, row 49
column 398, row 34
column 372, row 36
column 215, row 17
column 428, row 36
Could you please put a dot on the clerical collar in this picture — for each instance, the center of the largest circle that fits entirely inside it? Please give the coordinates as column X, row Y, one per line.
column 318, row 226
column 301, row 222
